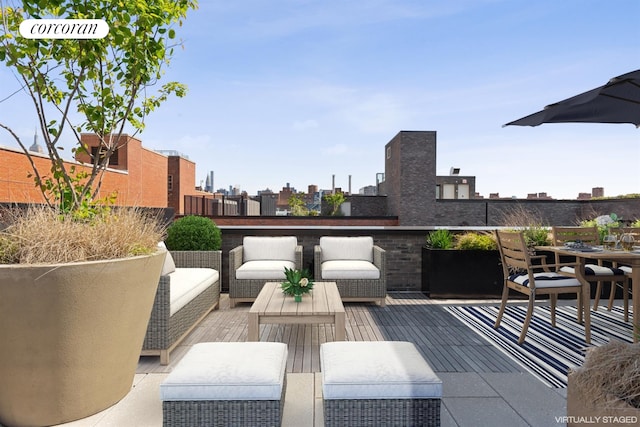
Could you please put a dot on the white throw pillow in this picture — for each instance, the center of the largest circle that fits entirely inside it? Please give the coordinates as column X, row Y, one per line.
column 169, row 265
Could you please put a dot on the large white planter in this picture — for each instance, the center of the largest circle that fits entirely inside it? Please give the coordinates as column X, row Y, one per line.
column 71, row 336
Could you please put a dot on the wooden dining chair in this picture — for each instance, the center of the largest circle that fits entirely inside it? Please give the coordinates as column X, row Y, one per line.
column 635, row 231
column 595, row 273
column 520, row 275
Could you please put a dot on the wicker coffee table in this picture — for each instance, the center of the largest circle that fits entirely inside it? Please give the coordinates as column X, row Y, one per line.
column 321, row 305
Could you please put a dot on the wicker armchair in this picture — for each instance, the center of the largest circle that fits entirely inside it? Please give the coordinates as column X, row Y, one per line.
column 358, row 267
column 165, row 330
column 259, row 260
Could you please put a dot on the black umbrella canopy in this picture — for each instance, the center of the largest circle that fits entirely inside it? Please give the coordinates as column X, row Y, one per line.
column 616, row 102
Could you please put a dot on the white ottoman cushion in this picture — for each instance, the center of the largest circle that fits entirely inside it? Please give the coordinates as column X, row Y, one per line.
column 376, row 370
column 228, row 371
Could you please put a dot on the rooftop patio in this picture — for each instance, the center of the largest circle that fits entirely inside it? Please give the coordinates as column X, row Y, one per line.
column 482, row 385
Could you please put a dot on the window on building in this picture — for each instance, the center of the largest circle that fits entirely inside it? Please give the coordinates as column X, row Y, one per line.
column 170, row 182
column 113, row 160
column 388, row 152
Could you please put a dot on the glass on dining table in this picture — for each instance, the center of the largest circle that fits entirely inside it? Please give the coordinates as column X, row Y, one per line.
column 626, row 241
column 609, row 242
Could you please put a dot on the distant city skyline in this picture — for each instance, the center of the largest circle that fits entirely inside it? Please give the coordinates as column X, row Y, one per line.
column 300, row 91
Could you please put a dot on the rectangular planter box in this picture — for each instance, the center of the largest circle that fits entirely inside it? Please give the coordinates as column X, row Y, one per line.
column 581, row 411
column 448, row 273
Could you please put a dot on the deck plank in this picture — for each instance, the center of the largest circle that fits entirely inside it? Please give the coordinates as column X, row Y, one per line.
column 446, row 344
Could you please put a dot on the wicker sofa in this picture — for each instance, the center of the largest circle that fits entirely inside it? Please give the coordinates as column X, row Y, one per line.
column 189, row 288
column 356, row 265
column 258, row 260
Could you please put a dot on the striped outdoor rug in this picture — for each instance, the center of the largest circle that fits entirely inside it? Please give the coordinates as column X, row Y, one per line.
column 547, row 352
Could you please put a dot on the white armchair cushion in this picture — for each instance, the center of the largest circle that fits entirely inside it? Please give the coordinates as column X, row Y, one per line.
column 187, row 283
column 347, row 248
column 350, row 269
column 268, row 270
column 258, row 248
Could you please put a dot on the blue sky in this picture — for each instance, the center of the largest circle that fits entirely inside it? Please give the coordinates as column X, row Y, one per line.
column 299, row 90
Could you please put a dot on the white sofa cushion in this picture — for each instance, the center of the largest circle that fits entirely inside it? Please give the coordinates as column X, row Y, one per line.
column 268, row 270
column 376, row 370
column 187, row 283
column 228, row 371
column 347, row 248
column 352, row 269
column 259, row 248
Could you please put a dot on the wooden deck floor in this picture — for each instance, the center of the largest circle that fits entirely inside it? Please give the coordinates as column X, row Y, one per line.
column 446, row 344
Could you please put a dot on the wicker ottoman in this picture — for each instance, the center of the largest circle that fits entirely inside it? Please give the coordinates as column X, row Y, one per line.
column 378, row 383
column 227, row 384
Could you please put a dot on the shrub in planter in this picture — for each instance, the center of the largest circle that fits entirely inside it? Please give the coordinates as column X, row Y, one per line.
column 466, row 266
column 193, row 233
column 440, row 239
column 476, row 241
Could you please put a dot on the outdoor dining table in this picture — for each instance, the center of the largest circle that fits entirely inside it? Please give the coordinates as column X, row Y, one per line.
column 630, row 258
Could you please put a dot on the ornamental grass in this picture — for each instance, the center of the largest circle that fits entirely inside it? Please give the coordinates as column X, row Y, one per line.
column 611, row 373
column 41, row 235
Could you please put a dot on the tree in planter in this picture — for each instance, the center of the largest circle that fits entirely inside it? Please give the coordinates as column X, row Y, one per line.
column 335, row 200
column 90, row 85
column 297, row 205
column 76, row 328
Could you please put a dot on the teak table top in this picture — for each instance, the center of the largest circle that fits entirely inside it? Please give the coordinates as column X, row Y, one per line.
column 322, row 305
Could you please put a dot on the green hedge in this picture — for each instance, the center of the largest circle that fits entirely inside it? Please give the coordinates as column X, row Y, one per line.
column 193, row 233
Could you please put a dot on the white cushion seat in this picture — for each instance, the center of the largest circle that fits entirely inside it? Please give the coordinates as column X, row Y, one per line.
column 626, row 269
column 546, row 280
column 187, row 283
column 376, row 370
column 264, row 269
column 349, row 269
column 228, row 371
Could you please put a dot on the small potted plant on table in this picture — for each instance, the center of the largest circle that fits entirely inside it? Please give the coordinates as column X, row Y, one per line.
column 297, row 283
